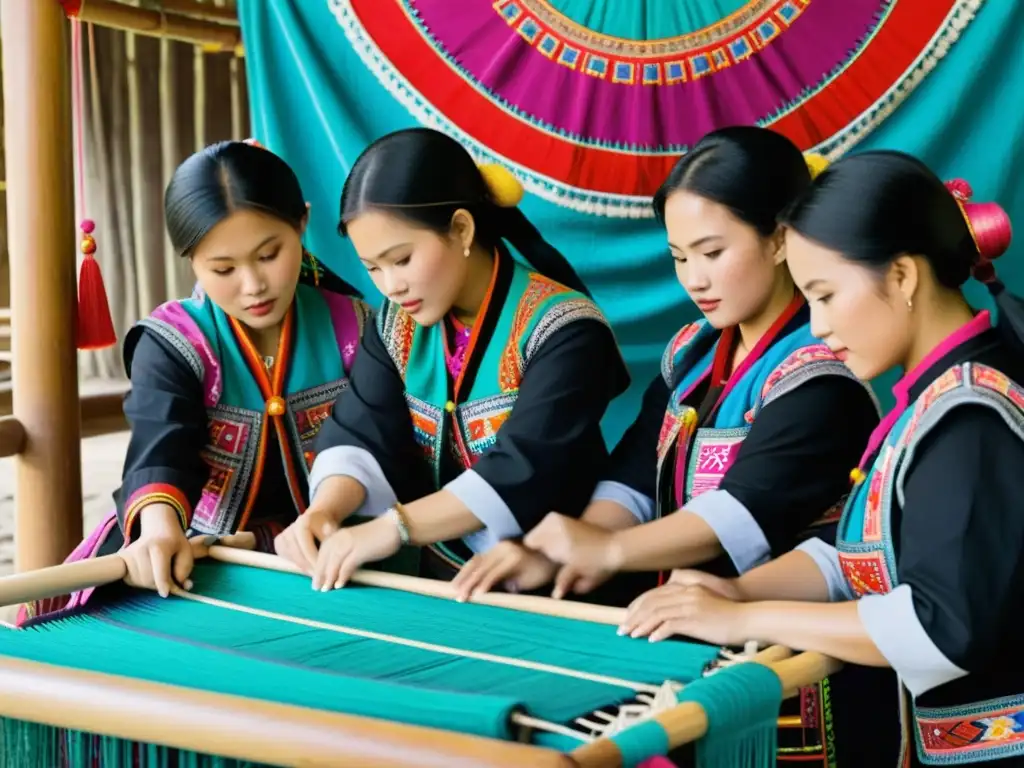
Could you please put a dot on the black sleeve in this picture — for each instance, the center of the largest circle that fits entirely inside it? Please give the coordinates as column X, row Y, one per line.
column 553, row 436
column 795, row 462
column 167, row 417
column 635, row 459
column 372, row 414
column 962, row 533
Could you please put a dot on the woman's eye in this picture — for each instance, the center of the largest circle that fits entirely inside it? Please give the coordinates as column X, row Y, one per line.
column 403, row 261
column 269, row 256
column 713, row 254
column 225, row 271
column 825, row 299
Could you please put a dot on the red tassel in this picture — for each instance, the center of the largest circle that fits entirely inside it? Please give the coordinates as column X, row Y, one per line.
column 95, row 326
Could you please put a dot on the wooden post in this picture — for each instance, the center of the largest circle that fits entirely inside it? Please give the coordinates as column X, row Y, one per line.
column 42, row 247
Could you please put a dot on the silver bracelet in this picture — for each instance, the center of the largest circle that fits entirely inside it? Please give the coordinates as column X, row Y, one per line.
column 397, row 515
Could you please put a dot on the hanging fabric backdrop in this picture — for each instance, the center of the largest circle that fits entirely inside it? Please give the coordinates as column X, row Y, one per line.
column 590, row 102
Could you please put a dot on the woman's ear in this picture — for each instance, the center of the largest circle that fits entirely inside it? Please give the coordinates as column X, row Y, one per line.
column 463, row 229
column 777, row 245
column 905, row 278
column 304, row 222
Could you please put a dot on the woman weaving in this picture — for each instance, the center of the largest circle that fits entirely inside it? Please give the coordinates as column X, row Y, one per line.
column 228, row 388
column 762, row 421
column 927, row 573
column 478, row 401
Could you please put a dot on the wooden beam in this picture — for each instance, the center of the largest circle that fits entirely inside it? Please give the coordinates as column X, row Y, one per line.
column 103, row 414
column 12, row 437
column 218, row 13
column 42, row 247
column 144, row 21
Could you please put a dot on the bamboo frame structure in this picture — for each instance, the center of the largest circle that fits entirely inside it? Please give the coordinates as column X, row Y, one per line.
column 191, row 28
column 285, row 735
column 40, row 206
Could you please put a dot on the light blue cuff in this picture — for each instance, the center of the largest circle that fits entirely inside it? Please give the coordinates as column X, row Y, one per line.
column 737, row 531
column 893, row 625
column 488, row 507
column 639, row 505
column 826, row 557
column 359, row 464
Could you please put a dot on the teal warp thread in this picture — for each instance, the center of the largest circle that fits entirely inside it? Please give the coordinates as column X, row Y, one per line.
column 640, row 742
column 742, row 706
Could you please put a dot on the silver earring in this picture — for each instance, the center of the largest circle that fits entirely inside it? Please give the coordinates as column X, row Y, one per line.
column 910, row 305
column 466, row 252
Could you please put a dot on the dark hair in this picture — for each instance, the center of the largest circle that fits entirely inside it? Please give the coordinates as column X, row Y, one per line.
column 876, row 206
column 237, row 175
column 754, row 172
column 425, row 176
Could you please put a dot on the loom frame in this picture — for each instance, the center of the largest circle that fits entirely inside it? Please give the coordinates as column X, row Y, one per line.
column 287, row 735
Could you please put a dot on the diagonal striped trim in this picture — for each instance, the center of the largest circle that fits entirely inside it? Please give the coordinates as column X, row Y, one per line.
column 156, row 493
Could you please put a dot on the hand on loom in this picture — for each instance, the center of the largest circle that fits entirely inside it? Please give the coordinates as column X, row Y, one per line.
column 519, row 568
column 692, row 611
column 161, row 547
column 588, row 553
column 298, row 542
column 348, row 549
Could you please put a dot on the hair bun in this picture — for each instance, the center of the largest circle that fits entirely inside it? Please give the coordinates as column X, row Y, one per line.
column 815, row 163
column 989, row 225
column 505, row 189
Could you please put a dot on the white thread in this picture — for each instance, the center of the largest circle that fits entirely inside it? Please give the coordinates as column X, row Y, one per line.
column 536, row 666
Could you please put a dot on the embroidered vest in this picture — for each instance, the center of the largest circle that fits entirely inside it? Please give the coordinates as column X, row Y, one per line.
column 865, row 543
column 703, row 456
column 535, row 308
column 326, row 329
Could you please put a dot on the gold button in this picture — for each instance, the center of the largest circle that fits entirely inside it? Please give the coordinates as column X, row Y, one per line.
column 275, row 406
column 449, row 406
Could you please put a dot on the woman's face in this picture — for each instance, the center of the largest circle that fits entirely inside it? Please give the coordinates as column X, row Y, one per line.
column 864, row 319
column 248, row 265
column 412, row 266
column 726, row 266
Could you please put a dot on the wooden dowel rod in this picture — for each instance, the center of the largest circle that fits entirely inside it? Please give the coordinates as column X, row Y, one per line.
column 12, row 436
column 61, row 579
column 143, row 21
column 688, row 721
column 567, row 609
column 238, row 727
column 5, row 313
column 196, row 10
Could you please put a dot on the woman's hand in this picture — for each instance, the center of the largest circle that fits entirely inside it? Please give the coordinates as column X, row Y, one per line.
column 519, row 568
column 161, row 552
column 727, row 588
column 568, row 541
column 298, row 542
column 691, row 611
column 342, row 553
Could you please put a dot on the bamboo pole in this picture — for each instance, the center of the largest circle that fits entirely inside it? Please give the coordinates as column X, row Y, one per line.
column 154, row 23
column 241, row 728
column 688, row 721
column 220, row 12
column 40, row 207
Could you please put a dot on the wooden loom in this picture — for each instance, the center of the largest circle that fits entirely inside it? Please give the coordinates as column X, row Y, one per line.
column 285, row 735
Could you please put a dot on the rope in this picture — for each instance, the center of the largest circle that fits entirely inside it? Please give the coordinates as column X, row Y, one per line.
column 521, row 663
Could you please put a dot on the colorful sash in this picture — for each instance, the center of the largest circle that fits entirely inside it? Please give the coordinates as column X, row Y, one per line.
column 975, row 732
column 522, row 310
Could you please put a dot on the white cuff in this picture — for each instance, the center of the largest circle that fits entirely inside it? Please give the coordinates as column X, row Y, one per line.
column 826, row 557
column 488, row 507
column 893, row 625
column 639, row 505
column 359, row 464
column 737, row 531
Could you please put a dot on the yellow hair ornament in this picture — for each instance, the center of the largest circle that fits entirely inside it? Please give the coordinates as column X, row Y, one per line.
column 505, row 189
column 815, row 163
